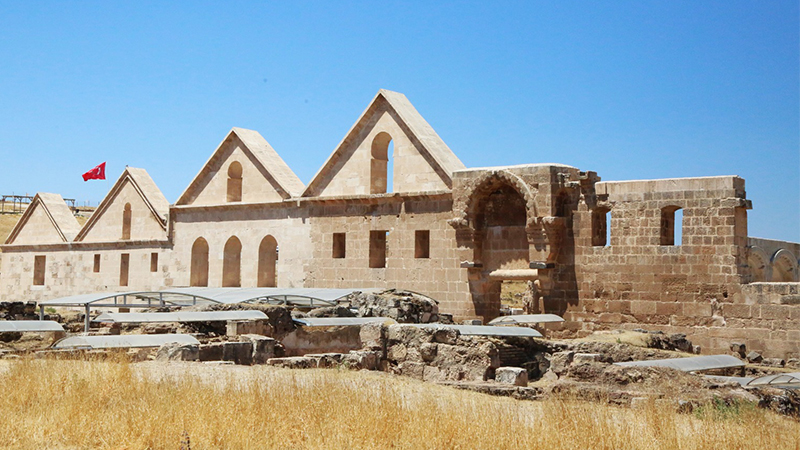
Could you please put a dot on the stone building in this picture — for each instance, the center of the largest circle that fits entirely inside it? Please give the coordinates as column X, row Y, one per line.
column 393, row 206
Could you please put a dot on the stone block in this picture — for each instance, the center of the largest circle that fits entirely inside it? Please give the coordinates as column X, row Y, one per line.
column 293, row 362
column 238, row 352
column 174, row 351
column 373, row 336
column 516, row 376
column 240, row 327
column 211, row 352
column 560, row 361
column 263, row 347
column 586, row 358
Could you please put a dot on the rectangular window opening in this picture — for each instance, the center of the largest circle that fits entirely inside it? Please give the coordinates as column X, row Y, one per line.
column 671, row 225
column 339, row 245
column 39, row 264
column 96, row 267
column 153, row 262
column 422, row 244
column 124, row 265
column 601, row 219
column 377, row 249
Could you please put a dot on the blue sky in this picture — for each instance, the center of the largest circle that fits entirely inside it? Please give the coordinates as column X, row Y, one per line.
column 632, row 90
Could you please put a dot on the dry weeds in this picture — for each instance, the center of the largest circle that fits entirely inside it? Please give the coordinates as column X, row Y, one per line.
column 80, row 404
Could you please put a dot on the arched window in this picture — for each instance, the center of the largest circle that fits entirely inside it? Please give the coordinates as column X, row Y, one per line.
column 232, row 263
column 784, row 266
column 379, row 165
column 234, row 182
column 267, row 261
column 199, row 268
column 126, row 221
column 671, row 225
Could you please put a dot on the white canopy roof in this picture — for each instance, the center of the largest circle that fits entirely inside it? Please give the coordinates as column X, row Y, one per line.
column 180, row 316
column 690, row 364
column 123, row 341
column 483, row 330
column 526, row 318
column 21, row 326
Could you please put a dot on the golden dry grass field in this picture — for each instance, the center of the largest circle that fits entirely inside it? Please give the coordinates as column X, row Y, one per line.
column 83, row 404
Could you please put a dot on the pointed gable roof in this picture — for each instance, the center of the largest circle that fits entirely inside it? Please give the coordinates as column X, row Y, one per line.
column 56, row 209
column 280, row 176
column 144, row 186
column 444, row 161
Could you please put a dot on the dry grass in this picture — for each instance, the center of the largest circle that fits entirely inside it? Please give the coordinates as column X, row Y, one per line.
column 79, row 404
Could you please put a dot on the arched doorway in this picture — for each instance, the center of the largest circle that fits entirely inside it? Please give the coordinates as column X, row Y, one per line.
column 232, row 263
column 267, row 262
column 199, row 268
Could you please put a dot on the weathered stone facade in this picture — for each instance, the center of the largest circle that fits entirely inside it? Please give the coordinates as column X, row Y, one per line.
column 603, row 254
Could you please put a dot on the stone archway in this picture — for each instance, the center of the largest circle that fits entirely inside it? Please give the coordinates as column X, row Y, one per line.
column 232, row 263
column 267, row 262
column 758, row 265
column 784, row 266
column 199, row 266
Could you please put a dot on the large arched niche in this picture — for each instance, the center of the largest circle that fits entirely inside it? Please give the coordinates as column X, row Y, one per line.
column 267, row 262
column 199, row 267
column 472, row 202
column 232, row 263
column 784, row 266
column 758, row 269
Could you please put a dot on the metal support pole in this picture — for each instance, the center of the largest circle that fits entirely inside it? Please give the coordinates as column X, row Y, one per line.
column 161, row 298
column 86, row 327
column 41, row 312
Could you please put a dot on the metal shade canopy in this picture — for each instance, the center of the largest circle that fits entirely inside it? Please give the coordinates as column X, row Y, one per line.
column 482, row 330
column 22, row 326
column 341, row 321
column 123, row 341
column 180, row 316
column 691, row 364
column 780, row 381
column 526, row 318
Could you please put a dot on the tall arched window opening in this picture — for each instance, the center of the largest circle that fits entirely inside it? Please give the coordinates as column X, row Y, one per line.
column 379, row 170
column 267, row 262
column 232, row 263
column 234, row 182
column 199, row 268
column 126, row 221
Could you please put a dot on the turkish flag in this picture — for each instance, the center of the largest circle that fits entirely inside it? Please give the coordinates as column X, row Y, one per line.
column 98, row 173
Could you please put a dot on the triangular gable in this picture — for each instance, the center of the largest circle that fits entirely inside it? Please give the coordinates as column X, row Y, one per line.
column 149, row 209
column 47, row 220
column 428, row 163
column 266, row 175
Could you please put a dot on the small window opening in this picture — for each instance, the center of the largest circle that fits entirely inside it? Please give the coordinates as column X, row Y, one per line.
column 96, row 268
column 39, row 263
column 339, row 245
column 600, row 227
column 234, row 182
column 562, row 204
column 124, row 268
column 422, row 244
column 380, row 183
column 126, row 222
column 377, row 249
column 671, row 225
column 153, row 262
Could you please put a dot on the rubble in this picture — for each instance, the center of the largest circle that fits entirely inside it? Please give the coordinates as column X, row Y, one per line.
column 402, row 306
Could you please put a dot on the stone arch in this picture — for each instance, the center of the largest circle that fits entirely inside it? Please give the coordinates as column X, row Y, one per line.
column 199, row 265
column 758, row 265
column 232, row 263
column 234, row 190
column 379, row 164
column 486, row 184
column 267, row 262
column 127, row 215
column 784, row 266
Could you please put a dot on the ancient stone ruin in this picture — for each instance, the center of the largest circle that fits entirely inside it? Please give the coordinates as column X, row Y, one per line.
column 602, row 254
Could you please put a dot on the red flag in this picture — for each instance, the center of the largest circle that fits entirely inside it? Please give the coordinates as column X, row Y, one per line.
column 98, row 173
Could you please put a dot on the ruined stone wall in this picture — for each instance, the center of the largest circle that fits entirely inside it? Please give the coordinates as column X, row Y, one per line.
column 438, row 276
column 636, row 280
column 772, row 260
column 251, row 224
column 69, row 270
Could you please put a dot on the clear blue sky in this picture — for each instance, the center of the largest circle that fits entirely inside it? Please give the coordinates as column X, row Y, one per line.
column 632, row 90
